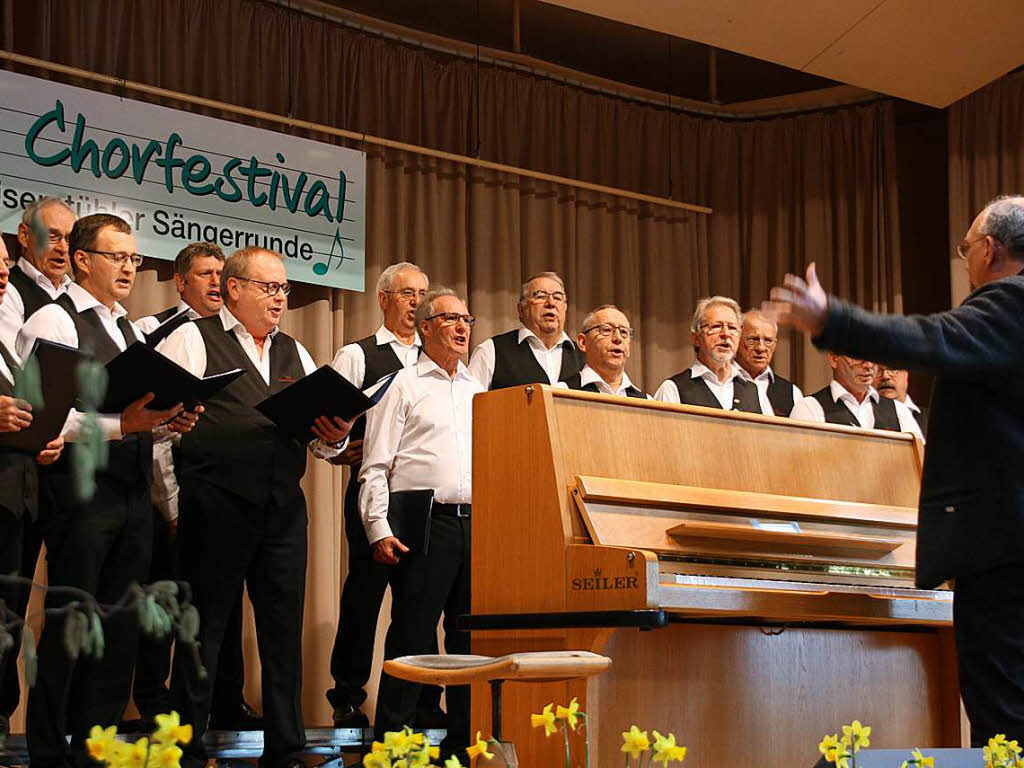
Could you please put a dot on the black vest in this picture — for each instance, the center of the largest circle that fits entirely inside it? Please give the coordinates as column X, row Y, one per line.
column 576, row 382
column 922, row 420
column 131, row 458
column 19, row 480
column 515, row 364
column 234, row 446
column 32, row 295
column 165, row 329
column 780, row 395
column 695, row 391
column 836, row 411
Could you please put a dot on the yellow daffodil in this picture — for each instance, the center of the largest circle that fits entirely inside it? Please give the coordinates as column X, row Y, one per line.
column 666, row 750
column 479, row 748
column 634, row 741
column 856, row 735
column 398, row 743
column 546, row 718
column 102, row 743
column 569, row 714
column 829, row 747
column 135, row 755
column 169, row 730
column 452, row 762
column 378, row 758
column 922, row 761
column 165, row 756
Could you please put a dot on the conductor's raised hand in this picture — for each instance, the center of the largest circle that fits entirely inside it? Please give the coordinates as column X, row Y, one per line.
column 388, row 550
column 800, row 303
column 14, row 414
column 331, row 430
column 138, row 418
column 184, row 421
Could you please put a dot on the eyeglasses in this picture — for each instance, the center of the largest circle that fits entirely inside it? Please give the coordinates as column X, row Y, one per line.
column 752, row 341
column 606, row 329
column 118, row 258
column 964, row 248
column 409, row 294
column 541, row 297
column 710, row 329
column 271, row 288
column 452, row 318
column 54, row 237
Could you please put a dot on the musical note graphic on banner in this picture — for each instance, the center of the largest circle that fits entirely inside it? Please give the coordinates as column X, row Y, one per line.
column 321, row 267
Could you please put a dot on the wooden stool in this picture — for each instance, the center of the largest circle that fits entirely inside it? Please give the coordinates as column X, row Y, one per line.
column 536, row 667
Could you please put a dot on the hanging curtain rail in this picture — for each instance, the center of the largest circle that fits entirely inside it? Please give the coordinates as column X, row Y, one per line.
column 164, row 93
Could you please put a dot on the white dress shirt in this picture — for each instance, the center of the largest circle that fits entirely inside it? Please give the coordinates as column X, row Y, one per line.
column 809, row 409
column 54, row 324
column 350, row 361
column 908, row 401
column 762, row 382
column 12, row 311
column 481, row 364
column 668, row 392
column 185, row 346
column 419, row 436
column 149, row 323
column 5, row 370
column 589, row 376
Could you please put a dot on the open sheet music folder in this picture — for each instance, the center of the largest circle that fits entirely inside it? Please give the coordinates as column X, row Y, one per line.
column 139, row 370
column 325, row 392
column 58, row 368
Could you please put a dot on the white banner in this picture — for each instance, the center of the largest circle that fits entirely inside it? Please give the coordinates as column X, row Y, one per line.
column 179, row 178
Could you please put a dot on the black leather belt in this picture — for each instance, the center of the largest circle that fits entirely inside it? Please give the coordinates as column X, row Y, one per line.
column 451, row 510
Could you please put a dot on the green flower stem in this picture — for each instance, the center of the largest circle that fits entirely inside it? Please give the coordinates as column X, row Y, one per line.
column 586, row 738
column 565, row 733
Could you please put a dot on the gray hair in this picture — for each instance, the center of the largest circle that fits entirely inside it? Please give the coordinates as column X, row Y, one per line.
column 589, row 319
column 757, row 314
column 237, row 264
column 387, row 277
column 549, row 275
column 30, row 217
column 707, row 303
column 426, row 307
column 1004, row 220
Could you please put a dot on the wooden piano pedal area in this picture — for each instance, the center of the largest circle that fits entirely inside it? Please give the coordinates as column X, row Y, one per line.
column 750, row 577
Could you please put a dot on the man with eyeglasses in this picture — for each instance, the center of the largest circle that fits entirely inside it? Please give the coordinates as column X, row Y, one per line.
column 419, row 437
column 893, row 383
column 41, row 274
column 605, row 341
column 758, row 339
column 394, row 346
column 242, row 511
column 851, row 399
column 101, row 545
column 713, row 380
column 971, row 509
column 197, row 269
column 539, row 351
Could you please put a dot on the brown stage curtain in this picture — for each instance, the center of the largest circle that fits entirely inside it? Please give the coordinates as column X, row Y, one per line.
column 986, row 158
column 785, row 191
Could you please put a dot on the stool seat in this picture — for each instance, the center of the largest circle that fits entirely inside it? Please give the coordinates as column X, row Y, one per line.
column 537, row 667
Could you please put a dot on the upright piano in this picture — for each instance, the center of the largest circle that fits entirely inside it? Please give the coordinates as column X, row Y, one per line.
column 751, row 577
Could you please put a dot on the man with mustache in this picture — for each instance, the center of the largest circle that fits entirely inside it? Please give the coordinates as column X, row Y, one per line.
column 19, row 500
column 419, row 437
column 539, row 351
column 893, row 383
column 758, row 338
column 713, row 380
column 851, row 399
column 394, row 346
column 101, row 545
column 605, row 340
column 41, row 274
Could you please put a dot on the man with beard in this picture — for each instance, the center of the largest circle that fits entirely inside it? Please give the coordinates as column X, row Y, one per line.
column 759, row 336
column 893, row 383
column 851, row 399
column 539, row 351
column 605, row 340
column 713, row 380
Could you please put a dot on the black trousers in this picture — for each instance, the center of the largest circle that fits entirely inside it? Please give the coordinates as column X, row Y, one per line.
column 422, row 588
column 988, row 620
column 361, row 598
column 20, row 542
column 226, row 542
column 101, row 546
column 153, row 665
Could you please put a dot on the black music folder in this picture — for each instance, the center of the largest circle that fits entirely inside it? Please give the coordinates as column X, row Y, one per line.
column 166, row 328
column 409, row 518
column 58, row 368
column 139, row 370
column 324, row 392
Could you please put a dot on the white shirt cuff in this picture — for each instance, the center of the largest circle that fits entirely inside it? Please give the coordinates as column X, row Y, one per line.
column 377, row 530
column 324, row 450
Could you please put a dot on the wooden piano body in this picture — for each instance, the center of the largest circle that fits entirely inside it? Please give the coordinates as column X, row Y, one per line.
column 774, row 557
